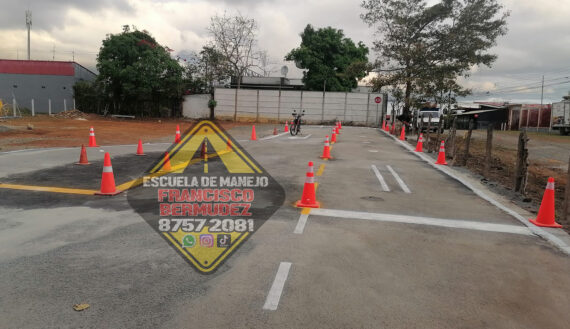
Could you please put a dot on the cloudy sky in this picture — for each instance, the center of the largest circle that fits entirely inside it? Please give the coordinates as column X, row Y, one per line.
column 538, row 41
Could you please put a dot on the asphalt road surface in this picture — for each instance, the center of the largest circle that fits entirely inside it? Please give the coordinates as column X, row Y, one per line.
column 395, row 244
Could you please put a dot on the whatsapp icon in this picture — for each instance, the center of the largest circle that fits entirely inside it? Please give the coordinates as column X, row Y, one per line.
column 188, row 241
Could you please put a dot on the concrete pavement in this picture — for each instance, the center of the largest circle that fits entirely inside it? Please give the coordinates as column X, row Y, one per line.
column 346, row 271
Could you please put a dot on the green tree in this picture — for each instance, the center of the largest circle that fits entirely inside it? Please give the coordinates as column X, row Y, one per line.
column 425, row 48
column 137, row 74
column 87, row 96
column 333, row 62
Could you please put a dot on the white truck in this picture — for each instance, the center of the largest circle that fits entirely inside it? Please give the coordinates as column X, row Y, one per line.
column 561, row 116
column 423, row 119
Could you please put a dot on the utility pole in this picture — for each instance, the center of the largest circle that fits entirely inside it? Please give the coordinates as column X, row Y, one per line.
column 542, row 92
column 29, row 25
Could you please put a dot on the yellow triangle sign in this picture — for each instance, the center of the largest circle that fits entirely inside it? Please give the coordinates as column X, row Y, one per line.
column 206, row 212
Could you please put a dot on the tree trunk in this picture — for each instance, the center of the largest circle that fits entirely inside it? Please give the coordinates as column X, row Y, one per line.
column 407, row 96
column 236, row 97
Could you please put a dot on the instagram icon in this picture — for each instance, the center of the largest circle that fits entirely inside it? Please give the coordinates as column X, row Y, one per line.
column 206, row 240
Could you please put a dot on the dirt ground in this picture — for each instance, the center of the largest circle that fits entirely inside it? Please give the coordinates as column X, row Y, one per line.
column 548, row 157
column 60, row 132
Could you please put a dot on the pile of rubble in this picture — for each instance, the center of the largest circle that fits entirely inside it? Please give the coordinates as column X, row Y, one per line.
column 71, row 114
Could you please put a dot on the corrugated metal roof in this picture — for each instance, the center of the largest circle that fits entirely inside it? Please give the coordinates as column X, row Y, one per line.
column 36, row 67
column 477, row 112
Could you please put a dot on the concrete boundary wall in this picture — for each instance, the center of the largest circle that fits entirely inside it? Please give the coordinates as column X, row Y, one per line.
column 278, row 105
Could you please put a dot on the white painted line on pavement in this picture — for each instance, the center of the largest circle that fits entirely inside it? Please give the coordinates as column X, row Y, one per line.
column 274, row 295
column 381, row 179
column 451, row 223
column 554, row 240
column 373, row 151
column 273, row 136
column 309, row 135
column 399, row 180
column 301, row 224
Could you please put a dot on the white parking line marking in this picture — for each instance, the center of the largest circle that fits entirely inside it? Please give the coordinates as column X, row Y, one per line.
column 451, row 223
column 301, row 224
column 381, row 179
column 373, row 151
column 274, row 295
column 309, row 135
column 399, row 180
column 273, row 136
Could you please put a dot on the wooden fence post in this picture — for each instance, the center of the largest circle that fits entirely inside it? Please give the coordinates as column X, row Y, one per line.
column 468, row 142
column 439, row 131
column 452, row 137
column 427, row 135
column 522, row 164
column 488, row 157
column 566, row 207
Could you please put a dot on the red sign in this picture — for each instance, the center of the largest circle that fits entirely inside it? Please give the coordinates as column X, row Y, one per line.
column 378, row 99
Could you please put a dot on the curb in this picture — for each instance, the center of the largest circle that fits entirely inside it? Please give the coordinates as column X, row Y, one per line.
column 552, row 239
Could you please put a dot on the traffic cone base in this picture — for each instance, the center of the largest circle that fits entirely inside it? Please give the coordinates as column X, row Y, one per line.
column 108, row 179
column 537, row 223
column 300, row 204
column 83, row 157
column 546, row 212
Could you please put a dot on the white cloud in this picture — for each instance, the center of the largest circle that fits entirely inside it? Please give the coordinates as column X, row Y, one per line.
column 537, row 43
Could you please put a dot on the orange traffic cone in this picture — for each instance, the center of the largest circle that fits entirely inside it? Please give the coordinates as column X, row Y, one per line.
column 140, row 149
column 326, row 150
column 108, row 179
column 92, row 142
column 83, row 156
column 383, row 125
column 177, row 137
column 441, row 155
column 420, row 145
column 274, row 130
column 166, row 164
column 546, row 211
column 286, row 126
column 253, row 134
column 403, row 133
column 333, row 137
column 387, row 129
column 338, row 128
column 339, row 125
column 309, row 197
